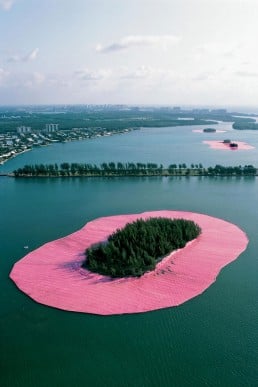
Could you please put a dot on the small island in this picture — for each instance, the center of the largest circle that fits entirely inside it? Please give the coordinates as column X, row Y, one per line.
column 227, row 144
column 209, row 130
column 139, row 246
column 233, row 145
column 53, row 274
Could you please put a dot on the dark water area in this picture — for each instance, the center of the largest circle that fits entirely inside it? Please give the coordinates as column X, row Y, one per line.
column 210, row 340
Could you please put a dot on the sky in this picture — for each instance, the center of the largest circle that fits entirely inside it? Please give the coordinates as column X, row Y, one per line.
column 157, row 52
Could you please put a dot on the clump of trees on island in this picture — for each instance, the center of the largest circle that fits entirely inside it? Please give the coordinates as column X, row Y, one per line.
column 245, row 125
column 113, row 169
column 220, row 170
column 230, row 143
column 139, row 246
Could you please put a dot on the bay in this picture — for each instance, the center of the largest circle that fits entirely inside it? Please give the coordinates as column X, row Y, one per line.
column 210, row 340
column 160, row 145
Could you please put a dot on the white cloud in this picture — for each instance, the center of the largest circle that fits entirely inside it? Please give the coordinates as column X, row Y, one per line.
column 30, row 80
column 210, row 75
column 38, row 78
column 143, row 72
column 6, row 4
column 3, row 75
column 20, row 80
column 92, row 75
column 248, row 74
column 138, row 40
column 217, row 49
column 14, row 58
column 139, row 73
column 146, row 72
column 31, row 56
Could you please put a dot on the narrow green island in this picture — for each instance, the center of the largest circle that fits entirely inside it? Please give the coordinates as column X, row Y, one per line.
column 139, row 246
column 139, row 169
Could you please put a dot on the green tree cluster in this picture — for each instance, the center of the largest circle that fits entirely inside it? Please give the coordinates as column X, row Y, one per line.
column 112, row 169
column 245, row 126
column 220, row 170
column 138, row 247
column 87, row 169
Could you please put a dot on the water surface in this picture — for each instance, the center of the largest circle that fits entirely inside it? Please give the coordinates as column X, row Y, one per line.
column 160, row 145
column 209, row 341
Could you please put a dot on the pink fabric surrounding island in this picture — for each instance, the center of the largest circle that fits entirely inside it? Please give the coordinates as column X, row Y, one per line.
column 201, row 131
column 225, row 146
column 52, row 274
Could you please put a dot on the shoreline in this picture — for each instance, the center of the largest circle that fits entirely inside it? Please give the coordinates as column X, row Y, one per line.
column 15, row 155
column 125, row 131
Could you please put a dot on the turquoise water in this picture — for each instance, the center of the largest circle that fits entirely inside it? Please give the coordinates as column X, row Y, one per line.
column 209, row 341
column 161, row 145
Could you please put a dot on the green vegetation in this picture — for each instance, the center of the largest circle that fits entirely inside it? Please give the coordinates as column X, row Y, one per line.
column 81, row 122
column 94, row 119
column 231, row 144
column 136, row 249
column 113, row 169
column 219, row 170
column 245, row 125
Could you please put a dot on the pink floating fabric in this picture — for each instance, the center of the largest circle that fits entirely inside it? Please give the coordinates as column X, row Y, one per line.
column 52, row 274
column 201, row 131
column 225, row 146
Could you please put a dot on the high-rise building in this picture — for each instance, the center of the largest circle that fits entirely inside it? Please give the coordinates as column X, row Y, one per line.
column 23, row 129
column 51, row 127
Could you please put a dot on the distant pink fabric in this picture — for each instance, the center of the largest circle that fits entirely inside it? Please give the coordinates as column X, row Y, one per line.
column 52, row 274
column 209, row 133
column 223, row 146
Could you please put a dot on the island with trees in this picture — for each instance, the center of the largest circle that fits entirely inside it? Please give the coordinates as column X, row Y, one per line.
column 182, row 275
column 139, row 169
column 245, row 125
column 139, row 246
column 231, row 144
column 209, row 130
column 228, row 145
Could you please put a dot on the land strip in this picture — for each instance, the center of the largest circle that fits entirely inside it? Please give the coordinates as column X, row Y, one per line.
column 24, row 128
column 119, row 169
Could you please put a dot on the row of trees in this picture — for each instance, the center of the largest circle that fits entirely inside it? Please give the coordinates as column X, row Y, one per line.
column 130, row 169
column 247, row 170
column 68, row 169
column 138, row 247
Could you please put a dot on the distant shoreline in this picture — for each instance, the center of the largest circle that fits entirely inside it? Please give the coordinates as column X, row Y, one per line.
column 13, row 156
